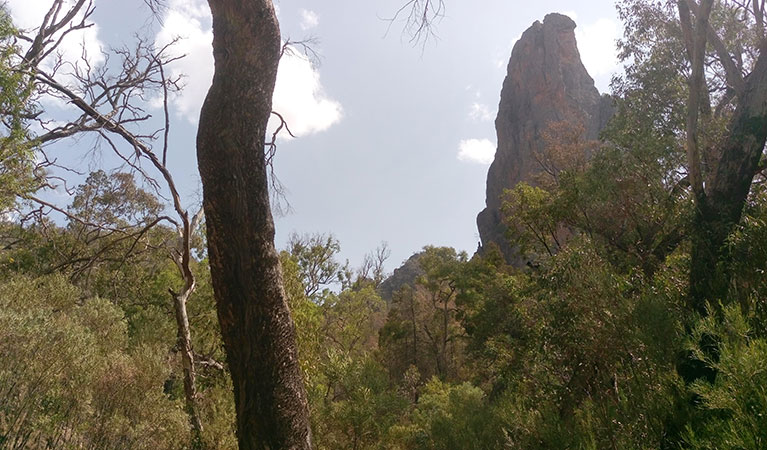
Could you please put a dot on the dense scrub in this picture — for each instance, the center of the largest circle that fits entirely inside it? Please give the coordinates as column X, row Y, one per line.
column 599, row 341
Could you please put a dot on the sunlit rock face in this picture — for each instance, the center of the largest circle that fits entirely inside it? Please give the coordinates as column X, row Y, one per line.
column 545, row 82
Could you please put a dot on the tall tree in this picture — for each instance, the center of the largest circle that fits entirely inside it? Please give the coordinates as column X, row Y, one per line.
column 719, row 49
column 721, row 199
column 258, row 332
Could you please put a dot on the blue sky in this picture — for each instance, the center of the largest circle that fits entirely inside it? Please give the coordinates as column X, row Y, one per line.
column 393, row 140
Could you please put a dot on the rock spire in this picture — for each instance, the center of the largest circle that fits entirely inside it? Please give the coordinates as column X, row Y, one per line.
column 545, row 82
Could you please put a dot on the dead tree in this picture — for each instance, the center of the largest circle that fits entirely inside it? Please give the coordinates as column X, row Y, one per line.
column 110, row 106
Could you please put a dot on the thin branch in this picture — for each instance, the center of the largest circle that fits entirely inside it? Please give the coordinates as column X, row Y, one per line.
column 166, row 130
column 420, row 18
column 306, row 46
column 207, row 361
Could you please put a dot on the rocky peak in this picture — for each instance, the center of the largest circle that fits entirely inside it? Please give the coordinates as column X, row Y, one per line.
column 545, row 82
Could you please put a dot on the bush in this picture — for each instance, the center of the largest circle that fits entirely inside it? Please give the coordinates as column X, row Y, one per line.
column 69, row 379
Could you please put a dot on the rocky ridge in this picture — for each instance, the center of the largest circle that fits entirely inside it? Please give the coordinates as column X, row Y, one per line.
column 546, row 82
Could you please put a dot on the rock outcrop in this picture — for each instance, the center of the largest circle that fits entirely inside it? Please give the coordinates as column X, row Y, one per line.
column 404, row 275
column 545, row 82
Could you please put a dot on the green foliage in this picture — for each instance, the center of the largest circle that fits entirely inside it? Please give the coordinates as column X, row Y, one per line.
column 359, row 406
column 315, row 257
column 629, row 197
column 306, row 316
column 533, row 220
column 69, row 377
column 654, row 86
column 490, row 295
column 110, row 257
column 216, row 408
column 579, row 349
column 114, row 200
column 589, row 377
column 352, row 318
column 16, row 161
column 737, row 400
column 747, row 246
column 449, row 417
column 422, row 327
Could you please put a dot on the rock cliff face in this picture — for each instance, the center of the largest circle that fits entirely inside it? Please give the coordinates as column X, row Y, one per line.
column 545, row 82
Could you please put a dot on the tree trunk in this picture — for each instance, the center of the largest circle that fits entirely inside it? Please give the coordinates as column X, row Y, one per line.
column 182, row 257
column 722, row 207
column 187, row 360
column 258, row 332
column 697, row 53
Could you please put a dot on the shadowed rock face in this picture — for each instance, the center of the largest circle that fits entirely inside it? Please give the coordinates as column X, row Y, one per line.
column 545, row 82
column 405, row 275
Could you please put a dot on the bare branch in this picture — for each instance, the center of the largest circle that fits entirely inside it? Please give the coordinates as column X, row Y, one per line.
column 304, row 47
column 166, row 130
column 420, row 17
column 50, row 26
column 276, row 187
column 208, row 362
column 156, row 6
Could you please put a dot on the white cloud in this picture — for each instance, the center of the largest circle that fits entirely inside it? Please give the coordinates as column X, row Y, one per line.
column 475, row 92
column 28, row 16
column 300, row 98
column 480, row 151
column 298, row 94
column 596, row 44
column 309, row 19
column 193, row 8
column 480, row 112
column 188, row 22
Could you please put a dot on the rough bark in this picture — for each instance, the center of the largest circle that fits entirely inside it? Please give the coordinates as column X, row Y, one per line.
column 258, row 332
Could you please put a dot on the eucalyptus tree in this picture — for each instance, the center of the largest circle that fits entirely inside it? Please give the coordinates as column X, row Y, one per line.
column 710, row 60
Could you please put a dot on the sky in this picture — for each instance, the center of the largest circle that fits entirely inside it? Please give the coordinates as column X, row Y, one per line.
column 393, row 140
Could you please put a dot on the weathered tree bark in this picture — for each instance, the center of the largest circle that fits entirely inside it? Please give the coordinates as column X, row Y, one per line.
column 258, row 332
